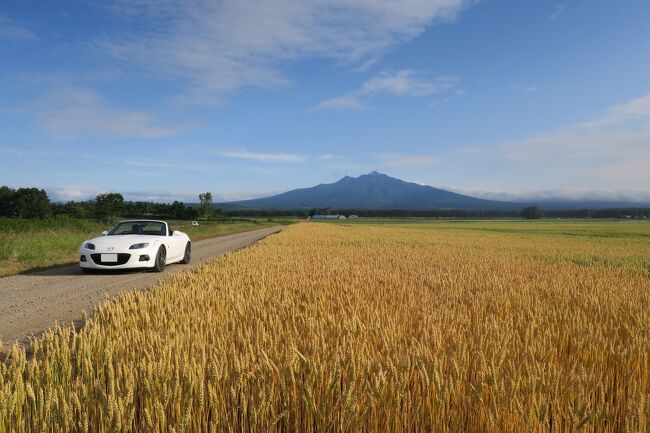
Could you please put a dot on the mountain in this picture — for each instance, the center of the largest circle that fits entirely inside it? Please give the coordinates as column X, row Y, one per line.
column 374, row 191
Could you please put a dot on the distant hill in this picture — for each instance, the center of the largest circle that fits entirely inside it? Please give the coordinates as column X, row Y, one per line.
column 373, row 191
column 589, row 204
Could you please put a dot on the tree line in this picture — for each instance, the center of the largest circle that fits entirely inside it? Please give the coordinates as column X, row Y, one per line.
column 530, row 212
column 35, row 203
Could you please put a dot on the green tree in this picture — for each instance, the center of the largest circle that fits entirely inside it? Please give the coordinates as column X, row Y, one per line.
column 191, row 213
column 7, row 201
column 108, row 205
column 31, row 203
column 532, row 213
column 206, row 204
column 73, row 209
column 177, row 210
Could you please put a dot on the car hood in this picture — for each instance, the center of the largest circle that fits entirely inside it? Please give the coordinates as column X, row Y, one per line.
column 123, row 242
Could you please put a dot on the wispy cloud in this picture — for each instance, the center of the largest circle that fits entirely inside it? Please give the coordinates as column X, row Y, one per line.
column 405, row 82
column 565, row 194
column 397, row 160
column 116, row 165
column 613, row 147
column 9, row 29
column 173, row 165
column 219, row 47
column 71, row 112
column 25, row 152
column 77, row 193
column 559, row 9
column 525, row 89
column 330, row 157
column 263, row 157
column 73, row 193
column 245, row 195
column 351, row 101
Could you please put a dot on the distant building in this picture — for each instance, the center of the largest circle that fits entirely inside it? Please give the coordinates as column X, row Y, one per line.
column 325, row 217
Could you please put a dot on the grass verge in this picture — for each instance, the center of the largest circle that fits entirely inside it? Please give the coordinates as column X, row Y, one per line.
column 29, row 245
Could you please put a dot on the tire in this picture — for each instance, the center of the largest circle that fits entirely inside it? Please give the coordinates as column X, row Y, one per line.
column 161, row 258
column 187, row 258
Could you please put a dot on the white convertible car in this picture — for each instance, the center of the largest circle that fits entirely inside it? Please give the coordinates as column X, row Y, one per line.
column 136, row 244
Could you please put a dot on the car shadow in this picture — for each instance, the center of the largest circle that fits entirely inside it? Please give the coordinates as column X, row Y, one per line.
column 76, row 270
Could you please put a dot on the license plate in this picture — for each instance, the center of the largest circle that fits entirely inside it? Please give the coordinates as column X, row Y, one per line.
column 109, row 258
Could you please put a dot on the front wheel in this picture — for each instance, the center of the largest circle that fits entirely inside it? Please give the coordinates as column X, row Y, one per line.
column 187, row 258
column 161, row 260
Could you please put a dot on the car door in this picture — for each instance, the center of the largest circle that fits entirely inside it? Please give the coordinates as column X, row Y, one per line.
column 179, row 242
column 176, row 248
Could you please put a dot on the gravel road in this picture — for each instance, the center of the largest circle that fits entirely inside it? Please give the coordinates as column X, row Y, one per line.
column 31, row 303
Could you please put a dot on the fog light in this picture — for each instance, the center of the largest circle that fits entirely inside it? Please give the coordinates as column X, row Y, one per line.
column 144, row 258
column 82, row 259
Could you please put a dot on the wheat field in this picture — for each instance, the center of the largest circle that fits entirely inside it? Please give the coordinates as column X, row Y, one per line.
column 363, row 327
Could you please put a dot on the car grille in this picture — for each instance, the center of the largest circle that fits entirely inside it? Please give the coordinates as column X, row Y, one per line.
column 122, row 258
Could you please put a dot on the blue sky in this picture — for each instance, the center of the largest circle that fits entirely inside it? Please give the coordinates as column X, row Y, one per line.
column 162, row 99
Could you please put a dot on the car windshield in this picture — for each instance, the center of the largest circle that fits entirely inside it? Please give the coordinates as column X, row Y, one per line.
column 139, row 228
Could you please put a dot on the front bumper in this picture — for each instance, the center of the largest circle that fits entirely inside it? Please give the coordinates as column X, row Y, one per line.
column 133, row 259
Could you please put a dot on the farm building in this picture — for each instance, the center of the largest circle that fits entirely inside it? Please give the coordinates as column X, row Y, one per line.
column 325, row 217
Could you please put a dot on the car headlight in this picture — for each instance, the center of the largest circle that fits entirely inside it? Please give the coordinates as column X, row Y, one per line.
column 138, row 246
column 89, row 246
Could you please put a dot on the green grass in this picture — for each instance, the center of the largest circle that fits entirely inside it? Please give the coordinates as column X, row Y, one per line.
column 28, row 245
column 615, row 244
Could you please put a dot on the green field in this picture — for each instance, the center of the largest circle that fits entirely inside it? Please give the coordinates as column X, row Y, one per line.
column 567, row 227
column 28, row 245
column 602, row 243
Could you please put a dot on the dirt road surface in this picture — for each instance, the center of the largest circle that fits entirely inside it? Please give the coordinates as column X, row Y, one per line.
column 31, row 303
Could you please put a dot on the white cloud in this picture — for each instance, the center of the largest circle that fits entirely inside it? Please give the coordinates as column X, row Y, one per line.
column 330, row 157
column 566, row 194
column 36, row 153
column 162, row 196
column 72, row 193
column 75, row 193
column 408, row 160
column 219, row 47
column 171, row 165
column 525, row 89
column 405, row 82
column 70, row 112
column 340, row 103
column 613, row 148
column 63, row 194
column 263, row 157
column 245, row 195
column 12, row 30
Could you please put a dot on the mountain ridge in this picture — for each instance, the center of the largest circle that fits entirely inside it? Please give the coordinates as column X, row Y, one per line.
column 374, row 191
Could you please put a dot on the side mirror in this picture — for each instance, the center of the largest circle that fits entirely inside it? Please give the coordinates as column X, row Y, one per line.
column 176, row 233
column 104, row 233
